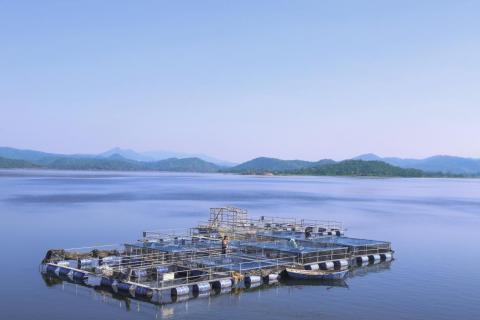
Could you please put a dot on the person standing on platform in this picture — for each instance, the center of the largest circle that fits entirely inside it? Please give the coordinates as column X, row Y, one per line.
column 224, row 245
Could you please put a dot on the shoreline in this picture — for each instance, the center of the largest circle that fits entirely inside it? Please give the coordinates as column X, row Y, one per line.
column 132, row 172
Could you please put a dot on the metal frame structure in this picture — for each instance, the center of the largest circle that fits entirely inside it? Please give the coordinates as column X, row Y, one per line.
column 176, row 259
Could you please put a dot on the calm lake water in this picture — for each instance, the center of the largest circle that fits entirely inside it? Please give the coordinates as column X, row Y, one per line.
column 433, row 224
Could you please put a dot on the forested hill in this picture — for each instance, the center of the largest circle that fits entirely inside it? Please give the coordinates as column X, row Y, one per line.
column 362, row 168
column 14, row 163
column 272, row 165
column 328, row 168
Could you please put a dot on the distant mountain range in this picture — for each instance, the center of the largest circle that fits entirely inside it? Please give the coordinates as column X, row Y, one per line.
column 129, row 160
column 445, row 164
column 149, row 156
column 118, row 163
column 16, row 158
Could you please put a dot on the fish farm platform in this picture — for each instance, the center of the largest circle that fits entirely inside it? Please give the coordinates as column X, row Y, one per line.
column 230, row 250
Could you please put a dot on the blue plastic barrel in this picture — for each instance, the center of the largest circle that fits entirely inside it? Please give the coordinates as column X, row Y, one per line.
column 51, row 268
column 143, row 292
column 221, row 284
column 78, row 275
column 125, row 287
column 271, row 278
column 107, row 282
column 63, row 271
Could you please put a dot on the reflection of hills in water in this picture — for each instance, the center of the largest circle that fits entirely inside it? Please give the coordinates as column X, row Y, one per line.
column 108, row 296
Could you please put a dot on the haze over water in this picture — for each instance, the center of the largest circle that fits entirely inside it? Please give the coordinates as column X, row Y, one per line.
column 432, row 223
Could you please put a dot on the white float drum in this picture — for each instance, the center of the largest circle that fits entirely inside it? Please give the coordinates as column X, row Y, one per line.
column 221, row 284
column 312, row 266
column 374, row 258
column 386, row 256
column 362, row 260
column 340, row 264
column 328, row 265
column 271, row 278
column 252, row 279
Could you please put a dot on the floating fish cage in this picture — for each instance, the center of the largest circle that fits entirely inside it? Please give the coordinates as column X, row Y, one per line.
column 244, row 263
column 303, row 254
column 194, row 261
column 357, row 247
column 176, row 248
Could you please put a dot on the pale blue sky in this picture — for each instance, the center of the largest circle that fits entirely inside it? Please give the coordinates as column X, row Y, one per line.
column 235, row 80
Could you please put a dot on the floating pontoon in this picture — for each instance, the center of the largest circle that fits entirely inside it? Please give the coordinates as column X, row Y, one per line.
column 182, row 263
